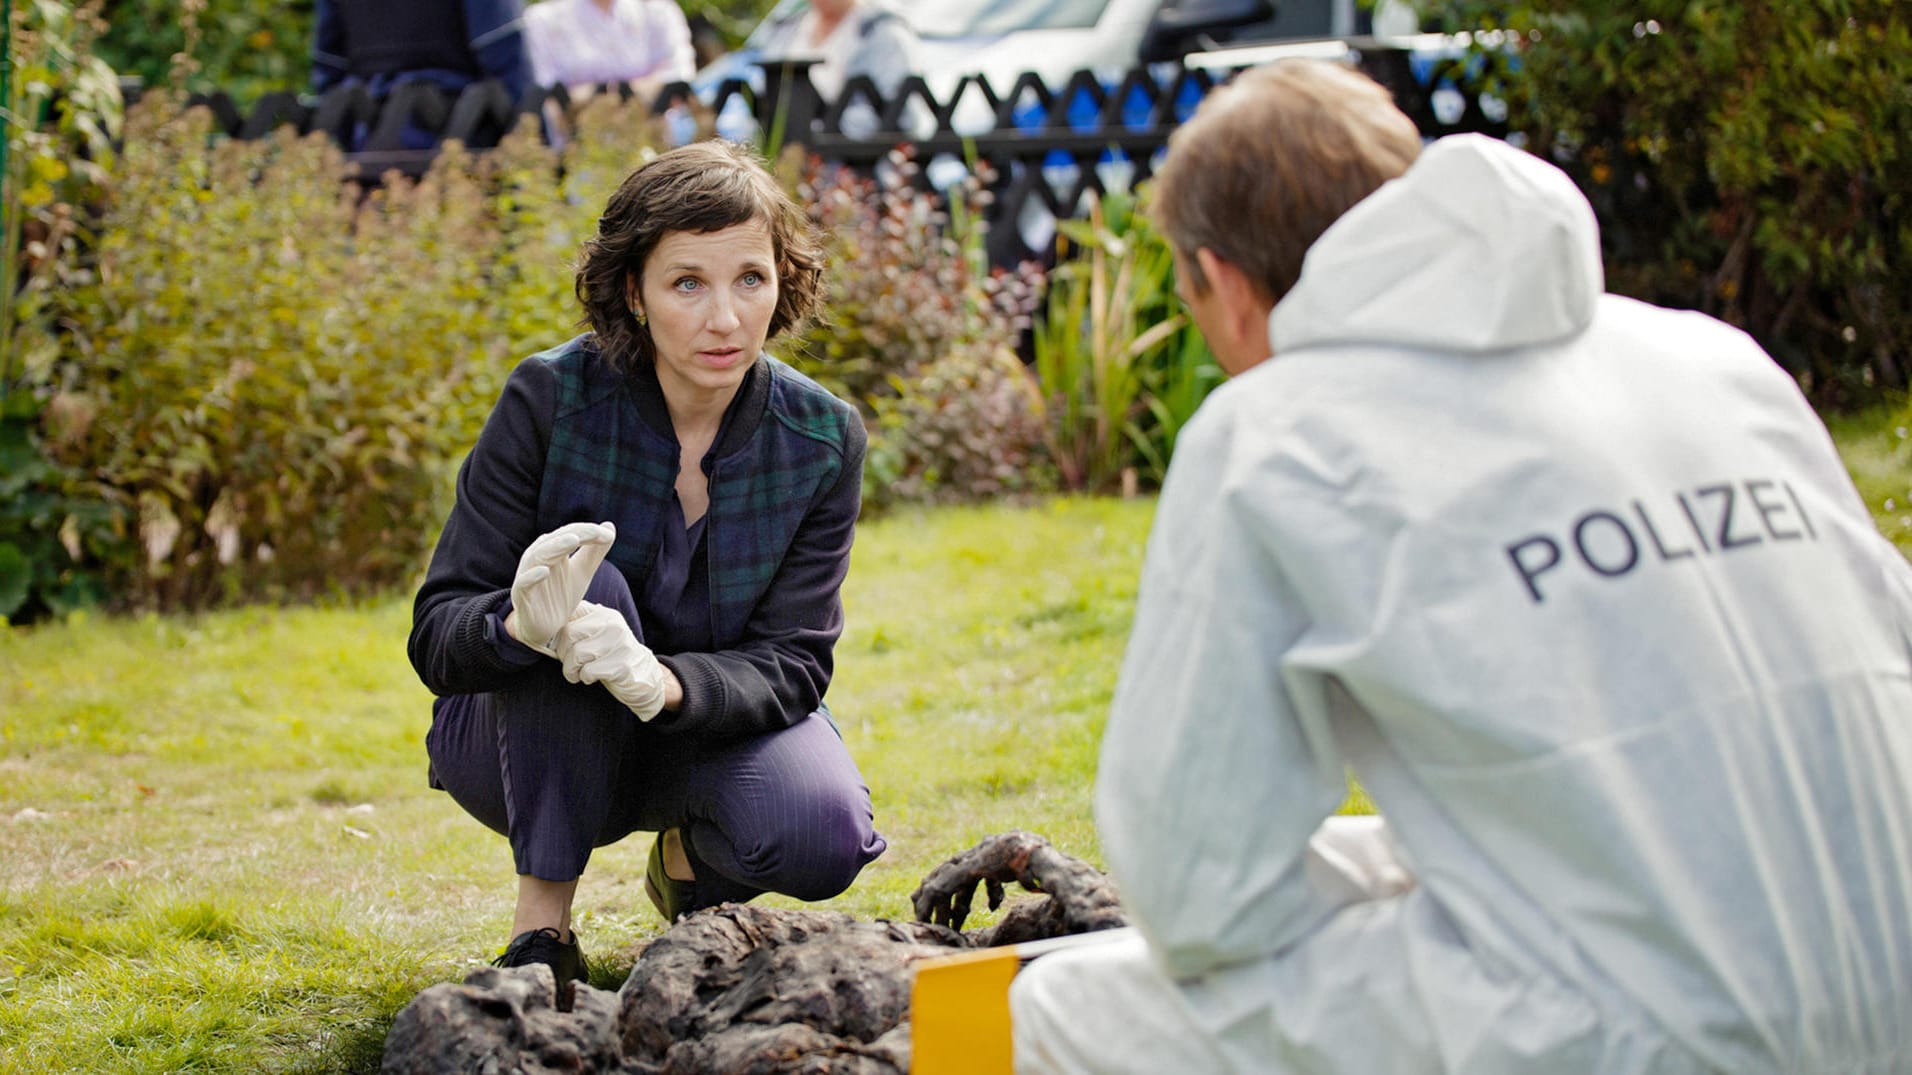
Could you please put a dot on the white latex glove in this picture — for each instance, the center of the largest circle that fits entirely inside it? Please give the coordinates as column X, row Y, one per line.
column 597, row 646
column 552, row 576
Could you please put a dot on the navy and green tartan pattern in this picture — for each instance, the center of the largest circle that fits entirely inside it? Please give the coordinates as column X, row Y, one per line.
column 761, row 502
column 605, row 462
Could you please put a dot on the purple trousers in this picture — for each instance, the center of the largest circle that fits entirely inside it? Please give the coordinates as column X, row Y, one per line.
column 562, row 768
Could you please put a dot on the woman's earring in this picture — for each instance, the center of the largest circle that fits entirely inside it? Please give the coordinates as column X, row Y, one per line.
column 639, row 314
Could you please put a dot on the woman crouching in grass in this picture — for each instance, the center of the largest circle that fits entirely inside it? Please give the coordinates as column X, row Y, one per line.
column 630, row 615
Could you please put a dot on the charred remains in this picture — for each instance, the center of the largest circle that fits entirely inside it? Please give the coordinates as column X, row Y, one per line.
column 747, row 990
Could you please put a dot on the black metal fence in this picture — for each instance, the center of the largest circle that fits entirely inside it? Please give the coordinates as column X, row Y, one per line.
column 1046, row 146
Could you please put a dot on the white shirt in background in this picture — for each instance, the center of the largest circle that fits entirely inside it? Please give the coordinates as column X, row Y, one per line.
column 871, row 40
column 836, row 53
column 574, row 42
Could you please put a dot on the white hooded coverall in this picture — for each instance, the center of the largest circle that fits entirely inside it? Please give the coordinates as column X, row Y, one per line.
column 1580, row 592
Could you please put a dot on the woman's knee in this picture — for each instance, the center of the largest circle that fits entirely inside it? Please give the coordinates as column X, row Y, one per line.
column 462, row 748
column 813, row 852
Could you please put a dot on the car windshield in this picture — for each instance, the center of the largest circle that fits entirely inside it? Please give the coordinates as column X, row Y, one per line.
column 965, row 18
column 971, row 18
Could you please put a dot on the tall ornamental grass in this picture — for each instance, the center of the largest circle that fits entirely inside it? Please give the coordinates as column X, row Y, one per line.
column 1120, row 366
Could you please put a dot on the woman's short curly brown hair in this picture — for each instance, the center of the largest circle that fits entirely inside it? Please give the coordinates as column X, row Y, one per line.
column 702, row 187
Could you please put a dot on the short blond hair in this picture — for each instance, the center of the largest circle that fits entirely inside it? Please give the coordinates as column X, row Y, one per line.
column 1270, row 160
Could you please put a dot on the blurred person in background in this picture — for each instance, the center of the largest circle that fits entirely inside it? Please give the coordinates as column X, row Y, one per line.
column 1576, row 587
column 706, row 41
column 447, row 43
column 583, row 44
column 848, row 38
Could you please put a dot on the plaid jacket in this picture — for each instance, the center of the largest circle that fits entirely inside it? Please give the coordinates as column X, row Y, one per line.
column 571, row 439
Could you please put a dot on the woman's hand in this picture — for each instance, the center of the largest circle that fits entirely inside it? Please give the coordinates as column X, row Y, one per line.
column 552, row 576
column 597, row 646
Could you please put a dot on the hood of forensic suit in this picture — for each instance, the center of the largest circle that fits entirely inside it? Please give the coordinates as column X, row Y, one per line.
column 1478, row 247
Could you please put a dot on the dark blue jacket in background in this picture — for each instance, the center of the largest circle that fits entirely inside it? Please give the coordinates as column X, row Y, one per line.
column 451, row 43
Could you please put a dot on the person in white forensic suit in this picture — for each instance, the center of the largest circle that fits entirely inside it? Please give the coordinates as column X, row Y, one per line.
column 1574, row 585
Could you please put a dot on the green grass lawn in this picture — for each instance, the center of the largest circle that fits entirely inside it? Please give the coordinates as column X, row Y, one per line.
column 221, row 854
column 1877, row 448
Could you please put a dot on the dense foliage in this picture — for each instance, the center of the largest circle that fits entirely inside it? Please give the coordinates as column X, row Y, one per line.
column 272, row 376
column 61, row 114
column 261, row 385
column 1748, row 158
column 245, row 47
column 262, row 391
column 922, row 335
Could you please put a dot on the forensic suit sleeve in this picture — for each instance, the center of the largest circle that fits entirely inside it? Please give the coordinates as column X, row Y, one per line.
column 457, row 643
column 1213, row 773
column 778, row 672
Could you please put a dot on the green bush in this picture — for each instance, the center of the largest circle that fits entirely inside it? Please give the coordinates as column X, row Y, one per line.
column 61, row 116
column 265, row 389
column 1746, row 158
column 49, row 541
column 245, row 47
column 274, row 377
column 965, row 427
column 262, row 393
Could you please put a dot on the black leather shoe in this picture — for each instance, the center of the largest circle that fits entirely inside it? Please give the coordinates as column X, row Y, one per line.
column 548, row 947
column 671, row 897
